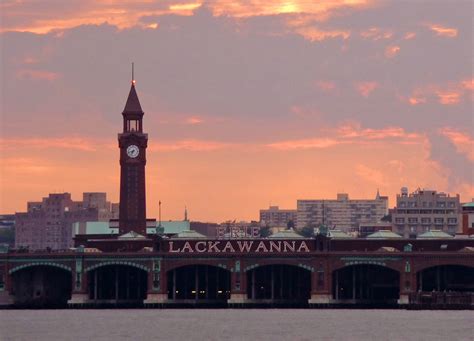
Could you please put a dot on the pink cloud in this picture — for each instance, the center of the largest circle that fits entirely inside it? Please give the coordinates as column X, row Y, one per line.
column 350, row 134
column 448, row 97
column 371, row 175
column 326, row 86
column 189, row 145
column 463, row 141
column 443, row 31
column 376, row 33
column 392, row 51
column 73, row 143
column 409, row 35
column 366, row 88
column 37, row 74
column 193, row 120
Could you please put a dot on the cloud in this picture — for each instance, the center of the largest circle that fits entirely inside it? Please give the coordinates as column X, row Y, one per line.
column 37, row 74
column 349, row 135
column 366, row 88
column 392, row 51
column 69, row 142
column 370, row 175
column 462, row 140
column 450, row 93
column 444, row 31
column 376, row 33
column 193, row 120
column 189, row 145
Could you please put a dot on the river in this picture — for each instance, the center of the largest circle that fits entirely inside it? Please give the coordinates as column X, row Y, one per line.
column 235, row 324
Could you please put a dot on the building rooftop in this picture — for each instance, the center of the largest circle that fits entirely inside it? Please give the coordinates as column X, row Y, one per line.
column 286, row 234
column 338, row 234
column 434, row 234
column 383, row 234
column 189, row 234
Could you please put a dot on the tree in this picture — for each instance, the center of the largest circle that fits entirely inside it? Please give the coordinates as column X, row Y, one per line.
column 290, row 224
column 307, row 231
column 7, row 236
column 265, row 231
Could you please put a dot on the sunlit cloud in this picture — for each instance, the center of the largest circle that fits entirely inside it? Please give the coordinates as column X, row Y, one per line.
column 70, row 142
column 326, row 86
column 366, row 88
column 124, row 14
column 376, row 33
column 315, row 34
column 444, row 31
column 188, row 145
column 349, row 134
column 448, row 97
column 37, row 74
column 409, row 35
column 392, row 51
column 371, row 175
column 25, row 165
column 462, row 140
column 316, row 143
column 193, row 120
column 450, row 93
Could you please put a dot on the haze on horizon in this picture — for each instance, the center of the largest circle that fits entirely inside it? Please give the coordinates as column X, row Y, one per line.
column 246, row 103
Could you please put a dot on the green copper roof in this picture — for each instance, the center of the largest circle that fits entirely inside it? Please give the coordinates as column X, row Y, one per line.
column 189, row 234
column 286, row 234
column 434, row 234
column 338, row 234
column 469, row 204
column 383, row 234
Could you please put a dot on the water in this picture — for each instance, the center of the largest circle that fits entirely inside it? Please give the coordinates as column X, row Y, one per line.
column 229, row 324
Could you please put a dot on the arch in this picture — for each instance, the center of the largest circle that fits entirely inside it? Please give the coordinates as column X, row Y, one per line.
column 442, row 263
column 221, row 265
column 41, row 284
column 279, row 281
column 124, row 263
column 352, row 261
column 199, row 282
column 28, row 265
column 117, row 282
column 277, row 262
column 366, row 282
column 446, row 278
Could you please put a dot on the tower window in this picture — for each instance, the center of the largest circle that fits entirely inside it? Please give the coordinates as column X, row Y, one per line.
column 133, row 125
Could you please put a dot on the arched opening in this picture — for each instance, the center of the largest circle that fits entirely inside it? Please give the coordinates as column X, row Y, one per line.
column 279, row 283
column 366, row 283
column 451, row 278
column 41, row 286
column 199, row 283
column 117, row 284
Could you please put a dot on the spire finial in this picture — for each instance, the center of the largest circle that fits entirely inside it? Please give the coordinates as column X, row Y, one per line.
column 133, row 75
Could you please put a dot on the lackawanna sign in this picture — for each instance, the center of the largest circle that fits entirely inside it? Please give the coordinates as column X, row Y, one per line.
column 239, row 246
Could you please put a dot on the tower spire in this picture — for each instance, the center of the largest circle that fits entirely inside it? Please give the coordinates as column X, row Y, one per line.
column 133, row 76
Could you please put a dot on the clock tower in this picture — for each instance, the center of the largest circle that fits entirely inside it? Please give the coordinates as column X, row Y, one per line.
column 132, row 143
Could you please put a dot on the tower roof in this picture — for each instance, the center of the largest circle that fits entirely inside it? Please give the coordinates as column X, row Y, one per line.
column 133, row 104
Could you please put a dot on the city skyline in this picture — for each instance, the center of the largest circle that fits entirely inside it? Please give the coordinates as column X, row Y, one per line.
column 244, row 106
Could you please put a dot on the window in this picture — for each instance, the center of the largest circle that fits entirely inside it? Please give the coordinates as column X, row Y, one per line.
column 412, row 220
column 438, row 221
column 452, row 221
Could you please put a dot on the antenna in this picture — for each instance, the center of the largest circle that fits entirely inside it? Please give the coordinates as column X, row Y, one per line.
column 133, row 75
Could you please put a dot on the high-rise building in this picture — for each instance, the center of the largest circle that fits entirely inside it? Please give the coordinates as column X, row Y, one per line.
column 48, row 223
column 276, row 217
column 425, row 210
column 343, row 213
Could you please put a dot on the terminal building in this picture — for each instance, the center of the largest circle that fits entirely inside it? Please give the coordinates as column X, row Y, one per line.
column 129, row 262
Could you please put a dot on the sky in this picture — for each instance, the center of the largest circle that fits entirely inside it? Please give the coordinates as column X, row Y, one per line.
column 247, row 103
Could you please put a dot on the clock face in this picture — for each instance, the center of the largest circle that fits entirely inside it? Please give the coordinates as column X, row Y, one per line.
column 133, row 151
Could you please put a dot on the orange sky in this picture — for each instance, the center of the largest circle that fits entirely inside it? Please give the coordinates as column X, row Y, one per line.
column 247, row 103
